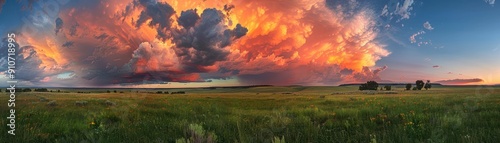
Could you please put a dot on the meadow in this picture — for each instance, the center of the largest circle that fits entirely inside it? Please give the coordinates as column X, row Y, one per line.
column 292, row 114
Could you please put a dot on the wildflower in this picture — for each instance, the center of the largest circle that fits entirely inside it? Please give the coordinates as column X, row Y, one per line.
column 409, row 123
column 402, row 115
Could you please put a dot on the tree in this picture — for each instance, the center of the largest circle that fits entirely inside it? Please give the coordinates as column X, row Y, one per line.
column 408, row 86
column 114, row 91
column 58, row 90
column 428, row 85
column 27, row 90
column 420, row 84
column 40, row 90
column 362, row 87
column 387, row 87
column 370, row 85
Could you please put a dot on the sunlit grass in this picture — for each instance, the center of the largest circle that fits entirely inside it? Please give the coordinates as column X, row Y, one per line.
column 263, row 114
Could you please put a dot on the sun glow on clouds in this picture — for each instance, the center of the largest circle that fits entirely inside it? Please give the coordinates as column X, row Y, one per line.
column 305, row 40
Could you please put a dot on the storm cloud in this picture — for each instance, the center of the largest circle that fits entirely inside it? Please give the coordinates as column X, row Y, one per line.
column 203, row 43
column 159, row 14
column 256, row 42
column 27, row 64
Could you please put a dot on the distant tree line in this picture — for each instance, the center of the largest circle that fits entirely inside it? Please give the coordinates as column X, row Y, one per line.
column 419, row 85
column 373, row 85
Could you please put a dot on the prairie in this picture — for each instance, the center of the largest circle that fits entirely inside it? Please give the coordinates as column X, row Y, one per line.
column 259, row 114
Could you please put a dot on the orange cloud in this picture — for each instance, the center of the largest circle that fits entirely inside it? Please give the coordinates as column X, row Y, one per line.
column 304, row 40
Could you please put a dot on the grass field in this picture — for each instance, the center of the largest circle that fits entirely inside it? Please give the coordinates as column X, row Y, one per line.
column 260, row 114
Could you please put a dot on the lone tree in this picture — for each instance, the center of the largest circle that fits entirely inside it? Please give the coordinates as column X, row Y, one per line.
column 420, row 84
column 370, row 85
column 408, row 86
column 428, row 85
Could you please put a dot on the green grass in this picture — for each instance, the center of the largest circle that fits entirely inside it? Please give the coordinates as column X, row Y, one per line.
column 262, row 114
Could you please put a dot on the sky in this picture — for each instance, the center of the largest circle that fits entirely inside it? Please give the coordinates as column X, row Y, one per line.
column 198, row 43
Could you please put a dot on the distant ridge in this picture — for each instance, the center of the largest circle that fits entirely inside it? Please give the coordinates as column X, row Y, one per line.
column 393, row 84
column 248, row 86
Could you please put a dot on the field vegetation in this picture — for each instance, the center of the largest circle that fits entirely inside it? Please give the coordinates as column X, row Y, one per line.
column 259, row 114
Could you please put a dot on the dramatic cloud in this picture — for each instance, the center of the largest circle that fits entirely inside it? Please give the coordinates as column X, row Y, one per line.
column 28, row 63
column 461, row 81
column 158, row 14
column 428, row 26
column 188, row 18
column 204, row 43
column 256, row 42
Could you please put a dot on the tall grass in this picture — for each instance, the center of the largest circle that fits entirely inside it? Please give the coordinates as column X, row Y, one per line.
column 308, row 115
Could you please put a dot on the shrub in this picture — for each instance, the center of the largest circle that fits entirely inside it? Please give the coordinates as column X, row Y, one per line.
column 387, row 87
column 408, row 86
column 43, row 99
column 41, row 90
column 279, row 140
column 52, row 103
column 109, row 103
column 27, row 90
column 81, row 103
column 178, row 92
column 196, row 134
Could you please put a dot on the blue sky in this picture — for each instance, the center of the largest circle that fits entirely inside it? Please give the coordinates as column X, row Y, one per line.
column 465, row 40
